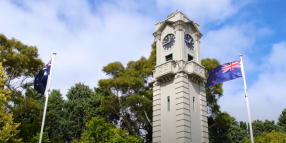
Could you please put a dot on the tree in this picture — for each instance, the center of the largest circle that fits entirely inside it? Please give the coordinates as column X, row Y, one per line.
column 8, row 129
column 36, row 138
column 282, row 120
column 131, row 94
column 20, row 62
column 29, row 112
column 97, row 130
column 225, row 129
column 214, row 92
column 260, row 127
column 82, row 104
column 272, row 137
column 54, row 116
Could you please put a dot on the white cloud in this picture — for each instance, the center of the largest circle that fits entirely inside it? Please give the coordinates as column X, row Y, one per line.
column 84, row 41
column 277, row 57
column 227, row 43
column 203, row 11
column 88, row 37
column 266, row 95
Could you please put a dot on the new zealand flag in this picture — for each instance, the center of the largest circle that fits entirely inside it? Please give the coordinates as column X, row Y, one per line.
column 225, row 72
column 41, row 79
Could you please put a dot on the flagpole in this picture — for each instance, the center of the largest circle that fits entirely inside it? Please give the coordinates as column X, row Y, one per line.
column 47, row 97
column 246, row 97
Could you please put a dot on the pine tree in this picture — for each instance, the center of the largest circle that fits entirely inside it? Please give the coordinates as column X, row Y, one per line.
column 225, row 129
column 267, row 126
column 29, row 112
column 82, row 104
column 282, row 120
column 54, row 116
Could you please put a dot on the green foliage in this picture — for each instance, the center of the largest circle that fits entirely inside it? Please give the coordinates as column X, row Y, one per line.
column 29, row 111
column 130, row 94
column 225, row 129
column 214, row 92
column 97, row 130
column 114, row 69
column 282, row 120
column 82, row 104
column 260, row 127
column 20, row 62
column 54, row 116
column 8, row 129
column 272, row 137
column 36, row 138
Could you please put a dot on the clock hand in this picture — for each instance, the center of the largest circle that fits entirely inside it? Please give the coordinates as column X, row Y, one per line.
column 167, row 42
column 188, row 41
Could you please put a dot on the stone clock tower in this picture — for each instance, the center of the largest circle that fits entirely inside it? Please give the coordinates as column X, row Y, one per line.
column 179, row 98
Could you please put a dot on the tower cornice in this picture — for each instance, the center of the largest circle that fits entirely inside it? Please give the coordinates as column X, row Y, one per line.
column 179, row 22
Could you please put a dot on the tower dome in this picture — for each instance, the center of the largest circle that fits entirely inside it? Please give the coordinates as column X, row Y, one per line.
column 173, row 13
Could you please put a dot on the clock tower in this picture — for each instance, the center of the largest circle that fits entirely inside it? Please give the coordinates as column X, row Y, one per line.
column 179, row 98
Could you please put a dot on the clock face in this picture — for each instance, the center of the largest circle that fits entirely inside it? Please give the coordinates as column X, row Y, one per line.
column 189, row 42
column 168, row 42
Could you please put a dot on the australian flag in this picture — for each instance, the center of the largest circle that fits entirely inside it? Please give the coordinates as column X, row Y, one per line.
column 41, row 79
column 225, row 72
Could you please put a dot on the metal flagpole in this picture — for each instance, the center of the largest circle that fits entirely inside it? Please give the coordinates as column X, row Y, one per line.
column 47, row 96
column 246, row 97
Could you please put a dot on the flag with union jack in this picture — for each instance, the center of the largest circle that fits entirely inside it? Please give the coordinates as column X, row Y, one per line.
column 224, row 72
column 41, row 79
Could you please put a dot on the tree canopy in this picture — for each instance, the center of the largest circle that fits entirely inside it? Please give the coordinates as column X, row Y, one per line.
column 130, row 96
column 119, row 110
column 97, row 130
column 282, row 120
column 8, row 129
column 20, row 62
column 272, row 137
column 214, row 92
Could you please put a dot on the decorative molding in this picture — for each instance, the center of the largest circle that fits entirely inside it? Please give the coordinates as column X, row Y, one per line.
column 203, row 83
column 156, row 83
column 166, row 78
column 164, row 72
column 157, row 35
column 195, row 79
column 159, row 23
column 185, row 17
column 199, row 70
column 162, row 68
column 179, row 25
column 181, row 64
column 181, row 74
column 198, row 35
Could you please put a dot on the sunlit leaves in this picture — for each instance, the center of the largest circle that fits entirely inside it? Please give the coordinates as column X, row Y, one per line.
column 272, row 137
column 8, row 129
column 20, row 62
column 97, row 130
column 130, row 97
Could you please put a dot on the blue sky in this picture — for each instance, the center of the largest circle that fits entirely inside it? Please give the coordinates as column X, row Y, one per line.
column 89, row 34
